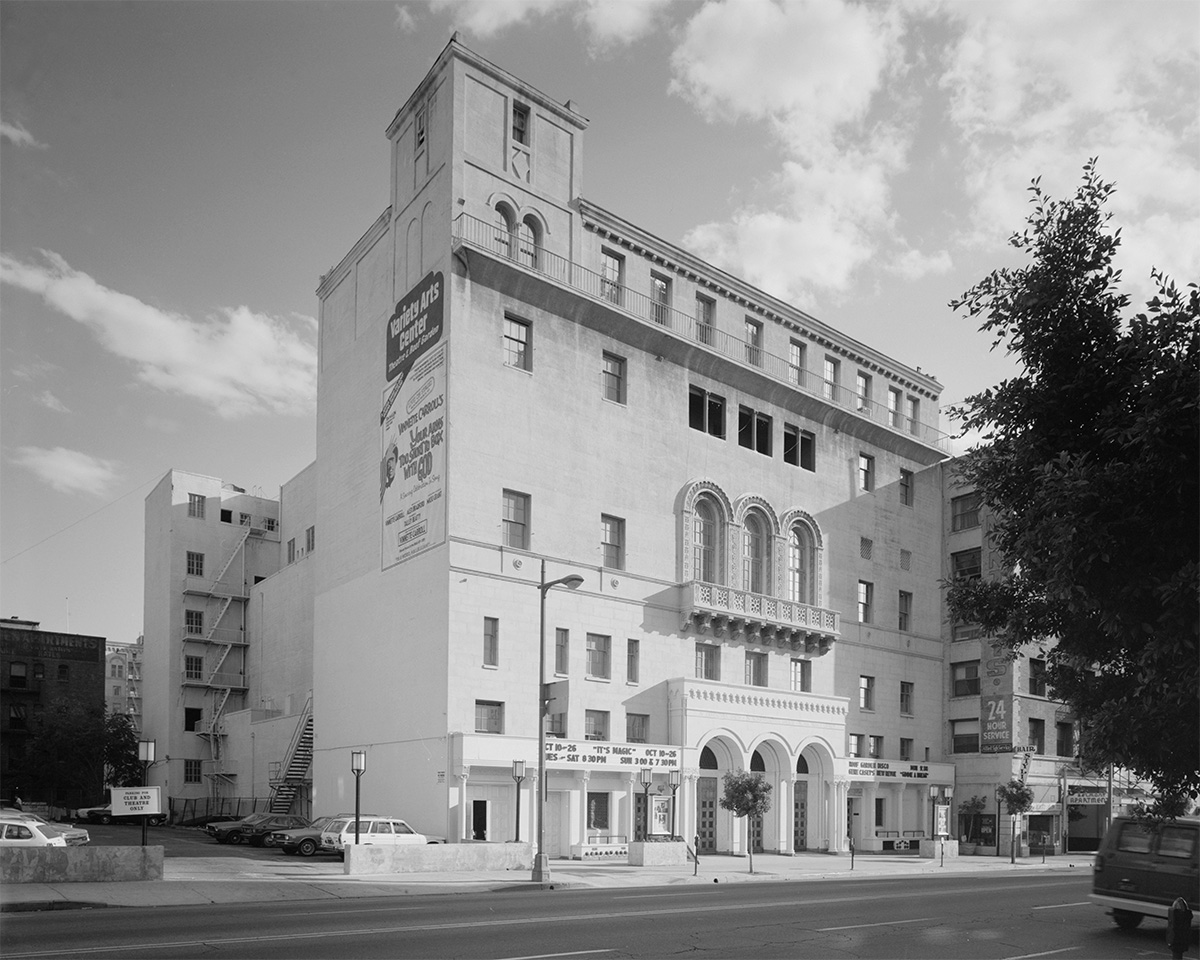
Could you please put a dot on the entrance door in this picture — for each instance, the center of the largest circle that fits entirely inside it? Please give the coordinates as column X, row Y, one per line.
column 706, row 815
column 639, row 816
column 800, row 820
column 756, row 834
column 479, row 819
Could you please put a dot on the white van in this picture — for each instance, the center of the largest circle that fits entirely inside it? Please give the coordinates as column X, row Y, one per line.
column 377, row 831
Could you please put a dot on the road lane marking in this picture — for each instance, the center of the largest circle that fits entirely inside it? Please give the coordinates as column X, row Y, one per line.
column 1048, row 953
column 863, row 926
column 1057, row 906
column 548, row 956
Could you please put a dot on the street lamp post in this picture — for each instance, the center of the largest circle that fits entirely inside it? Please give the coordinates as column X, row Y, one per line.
column 358, row 766
column 646, row 777
column 146, row 755
column 518, row 774
column 675, row 779
column 541, row 861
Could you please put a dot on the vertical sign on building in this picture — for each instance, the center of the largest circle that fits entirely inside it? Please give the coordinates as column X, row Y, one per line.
column 996, row 701
column 412, row 469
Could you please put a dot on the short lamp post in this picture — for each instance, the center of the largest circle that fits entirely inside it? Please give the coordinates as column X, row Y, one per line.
column 676, row 777
column 646, row 777
column 358, row 766
column 146, row 756
column 541, row 860
column 518, row 775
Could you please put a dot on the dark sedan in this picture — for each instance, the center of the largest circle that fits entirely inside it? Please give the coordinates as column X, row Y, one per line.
column 104, row 814
column 304, row 841
column 256, row 829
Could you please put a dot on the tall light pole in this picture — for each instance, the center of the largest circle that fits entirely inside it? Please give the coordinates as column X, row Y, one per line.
column 146, row 755
column 676, row 777
column 647, row 777
column 541, row 860
column 358, row 766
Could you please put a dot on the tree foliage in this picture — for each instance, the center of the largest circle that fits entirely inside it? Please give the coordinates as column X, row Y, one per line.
column 121, row 765
column 746, row 795
column 65, row 754
column 1089, row 464
column 1016, row 796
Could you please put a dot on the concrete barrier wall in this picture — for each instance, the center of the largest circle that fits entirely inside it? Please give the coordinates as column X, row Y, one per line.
column 438, row 858
column 657, row 854
column 85, row 864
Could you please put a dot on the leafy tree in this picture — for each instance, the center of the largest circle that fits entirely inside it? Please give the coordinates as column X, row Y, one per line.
column 1017, row 798
column 971, row 809
column 1089, row 463
column 746, row 795
column 121, row 765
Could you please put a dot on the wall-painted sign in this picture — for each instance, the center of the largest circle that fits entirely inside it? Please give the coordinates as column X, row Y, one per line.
column 886, row 770
column 612, row 756
column 412, row 473
column 135, row 801
column 995, row 724
column 415, row 326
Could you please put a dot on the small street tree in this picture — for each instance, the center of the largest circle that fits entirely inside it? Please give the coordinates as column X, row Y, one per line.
column 747, row 795
column 1017, row 798
column 1090, row 466
column 122, row 768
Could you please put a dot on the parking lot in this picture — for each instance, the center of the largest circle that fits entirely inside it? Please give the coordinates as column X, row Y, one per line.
column 180, row 842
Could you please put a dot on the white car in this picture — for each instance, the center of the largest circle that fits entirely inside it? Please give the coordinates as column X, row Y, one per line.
column 74, row 836
column 29, row 833
column 377, row 831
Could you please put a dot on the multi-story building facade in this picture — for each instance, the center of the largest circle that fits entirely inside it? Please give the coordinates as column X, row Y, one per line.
column 38, row 667
column 516, row 386
column 207, row 544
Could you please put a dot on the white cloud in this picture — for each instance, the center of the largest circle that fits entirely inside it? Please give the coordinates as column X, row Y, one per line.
column 606, row 22
column 239, row 362
column 68, row 471
column 51, row 402
column 405, row 22
column 913, row 264
column 17, row 133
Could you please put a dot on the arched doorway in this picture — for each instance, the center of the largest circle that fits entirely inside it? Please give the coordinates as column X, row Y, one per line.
column 706, row 802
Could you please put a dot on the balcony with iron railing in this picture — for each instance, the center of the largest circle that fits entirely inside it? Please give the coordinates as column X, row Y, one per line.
column 193, row 678
column 734, row 613
column 221, row 636
column 490, row 239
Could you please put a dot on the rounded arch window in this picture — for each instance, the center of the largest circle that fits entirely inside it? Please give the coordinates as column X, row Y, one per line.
column 529, row 240
column 801, row 565
column 503, row 225
column 704, row 541
column 754, row 554
column 801, row 765
column 708, row 759
column 756, row 763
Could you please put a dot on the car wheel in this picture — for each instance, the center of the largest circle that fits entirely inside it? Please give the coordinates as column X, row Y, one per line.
column 154, row 821
column 234, row 836
column 306, row 847
column 1126, row 919
column 105, row 818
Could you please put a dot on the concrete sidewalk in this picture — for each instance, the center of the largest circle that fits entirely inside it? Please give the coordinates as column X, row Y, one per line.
column 203, row 880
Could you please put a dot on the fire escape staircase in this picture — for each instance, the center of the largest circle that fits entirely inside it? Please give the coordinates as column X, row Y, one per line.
column 297, row 762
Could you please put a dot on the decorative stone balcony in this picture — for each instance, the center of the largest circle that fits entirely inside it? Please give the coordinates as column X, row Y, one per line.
column 755, row 618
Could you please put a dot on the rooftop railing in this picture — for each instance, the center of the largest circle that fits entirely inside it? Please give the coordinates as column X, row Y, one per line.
column 516, row 248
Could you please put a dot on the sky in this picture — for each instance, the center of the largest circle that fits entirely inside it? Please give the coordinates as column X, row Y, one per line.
column 176, row 177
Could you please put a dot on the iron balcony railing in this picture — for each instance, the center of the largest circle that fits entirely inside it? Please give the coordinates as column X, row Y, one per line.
column 516, row 248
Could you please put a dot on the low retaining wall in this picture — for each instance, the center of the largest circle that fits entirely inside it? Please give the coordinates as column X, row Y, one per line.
column 936, row 849
column 84, row 864
column 438, row 858
column 657, row 854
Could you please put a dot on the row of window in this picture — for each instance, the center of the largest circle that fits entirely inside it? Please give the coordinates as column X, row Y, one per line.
column 965, row 737
column 18, row 673
column 310, row 544
column 866, row 695
column 964, row 677
column 196, row 508
column 902, row 411
column 866, row 606
column 872, row 746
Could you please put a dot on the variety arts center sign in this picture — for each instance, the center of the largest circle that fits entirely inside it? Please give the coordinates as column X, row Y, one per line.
column 412, row 420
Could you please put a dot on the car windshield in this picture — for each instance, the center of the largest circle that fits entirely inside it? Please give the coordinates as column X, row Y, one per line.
column 318, row 825
column 257, row 818
column 336, row 825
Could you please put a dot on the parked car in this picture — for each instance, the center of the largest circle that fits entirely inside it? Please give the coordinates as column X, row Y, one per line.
column 72, row 836
column 1141, row 868
column 104, row 814
column 378, row 831
column 303, row 840
column 19, row 832
column 255, row 828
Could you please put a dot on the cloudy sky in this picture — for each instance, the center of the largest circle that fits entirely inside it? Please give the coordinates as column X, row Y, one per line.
column 177, row 176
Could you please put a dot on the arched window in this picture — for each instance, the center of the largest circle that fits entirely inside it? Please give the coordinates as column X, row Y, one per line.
column 756, row 763
column 708, row 759
column 801, row 563
column 530, row 243
column 754, row 555
column 801, row 765
column 503, row 231
column 704, row 541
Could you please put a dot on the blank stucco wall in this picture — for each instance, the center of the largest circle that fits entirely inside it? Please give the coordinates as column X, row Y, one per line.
column 80, row 864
